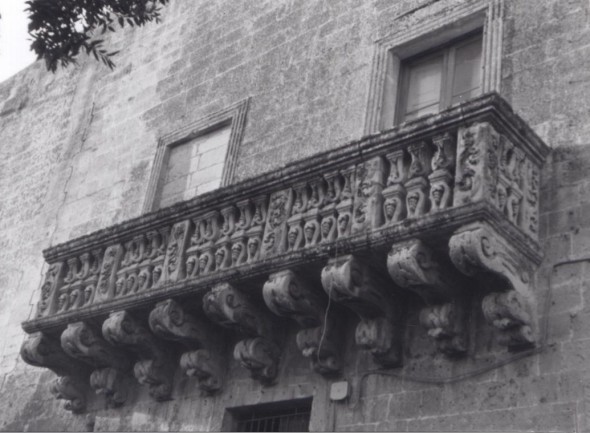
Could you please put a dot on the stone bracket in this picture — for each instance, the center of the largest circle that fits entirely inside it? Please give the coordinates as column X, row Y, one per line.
column 349, row 281
column 287, row 294
column 170, row 321
column 230, row 308
column 155, row 367
column 479, row 250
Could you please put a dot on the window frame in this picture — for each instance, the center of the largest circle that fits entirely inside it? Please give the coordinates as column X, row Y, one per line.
column 233, row 115
column 447, row 51
column 404, row 41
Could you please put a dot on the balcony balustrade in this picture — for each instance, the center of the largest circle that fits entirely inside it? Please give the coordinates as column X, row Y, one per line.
column 438, row 206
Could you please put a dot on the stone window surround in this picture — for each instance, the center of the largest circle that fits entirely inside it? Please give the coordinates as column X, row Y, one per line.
column 234, row 115
column 391, row 50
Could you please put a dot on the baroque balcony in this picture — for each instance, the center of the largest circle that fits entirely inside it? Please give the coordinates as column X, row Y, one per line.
column 440, row 206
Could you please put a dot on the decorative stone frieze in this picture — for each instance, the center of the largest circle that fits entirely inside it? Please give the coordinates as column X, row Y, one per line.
column 286, row 294
column 415, row 266
column 170, row 321
column 155, row 367
column 82, row 342
column 354, row 284
column 468, row 178
column 230, row 308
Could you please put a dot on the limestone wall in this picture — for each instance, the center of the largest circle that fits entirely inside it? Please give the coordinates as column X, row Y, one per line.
column 77, row 149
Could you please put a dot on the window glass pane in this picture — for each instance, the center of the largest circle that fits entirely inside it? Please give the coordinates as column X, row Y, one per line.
column 467, row 72
column 195, row 167
column 424, row 87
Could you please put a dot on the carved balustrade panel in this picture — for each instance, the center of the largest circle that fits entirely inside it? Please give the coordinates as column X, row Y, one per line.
column 287, row 294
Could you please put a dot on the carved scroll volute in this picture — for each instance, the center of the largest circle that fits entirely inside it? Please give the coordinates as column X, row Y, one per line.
column 232, row 309
column 108, row 273
column 415, row 266
column 286, row 294
column 350, row 282
column 245, row 215
column 155, row 367
column 40, row 350
column 368, row 198
column 82, row 342
column 476, row 174
column 48, row 303
column 275, row 231
column 174, row 264
column 478, row 250
column 170, row 321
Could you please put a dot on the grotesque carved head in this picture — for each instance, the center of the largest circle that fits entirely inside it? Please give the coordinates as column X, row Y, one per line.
column 119, row 284
column 309, row 231
column 156, row 274
column 219, row 257
column 203, row 260
column 390, row 207
column 343, row 222
column 413, row 201
column 236, row 251
column 437, row 194
column 327, row 226
column 190, row 265
column 88, row 294
column 292, row 236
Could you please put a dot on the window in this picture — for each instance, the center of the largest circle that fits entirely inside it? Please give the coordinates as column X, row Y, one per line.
column 196, row 159
column 435, row 62
column 285, row 416
column 440, row 78
column 194, row 167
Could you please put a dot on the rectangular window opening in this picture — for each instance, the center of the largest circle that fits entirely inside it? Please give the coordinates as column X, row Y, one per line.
column 284, row 416
column 440, row 78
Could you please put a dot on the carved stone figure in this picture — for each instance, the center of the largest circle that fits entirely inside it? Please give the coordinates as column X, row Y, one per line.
column 174, row 263
column 368, row 199
column 397, row 168
column 421, row 155
column 445, row 323
column 509, row 313
column 275, row 232
column 417, row 197
column 49, row 290
column 68, row 388
column 260, row 356
column 206, row 368
column 108, row 273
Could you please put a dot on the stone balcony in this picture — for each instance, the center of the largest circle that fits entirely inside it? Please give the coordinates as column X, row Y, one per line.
column 440, row 206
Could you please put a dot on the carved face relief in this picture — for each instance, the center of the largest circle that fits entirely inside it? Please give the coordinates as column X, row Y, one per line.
column 326, row 226
column 130, row 283
column 292, row 236
column 190, row 265
column 88, row 294
column 73, row 297
column 62, row 301
column 413, row 202
column 119, row 286
column 236, row 250
column 269, row 241
column 437, row 193
column 203, row 260
column 501, row 198
column 252, row 246
column 309, row 230
column 142, row 279
column 343, row 222
column 156, row 274
column 219, row 257
column 390, row 207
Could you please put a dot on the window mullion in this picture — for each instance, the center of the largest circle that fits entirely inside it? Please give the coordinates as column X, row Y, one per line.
column 447, row 79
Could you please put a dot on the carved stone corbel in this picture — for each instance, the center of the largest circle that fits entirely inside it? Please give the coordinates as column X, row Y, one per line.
column 415, row 266
column 230, row 308
column 81, row 342
column 69, row 389
column 349, row 281
column 155, row 367
column 288, row 295
column 40, row 350
column 170, row 321
column 478, row 250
